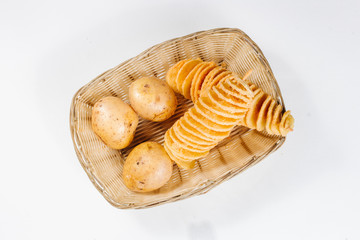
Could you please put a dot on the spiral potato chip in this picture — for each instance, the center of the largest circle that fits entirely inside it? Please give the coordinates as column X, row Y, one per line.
column 222, row 100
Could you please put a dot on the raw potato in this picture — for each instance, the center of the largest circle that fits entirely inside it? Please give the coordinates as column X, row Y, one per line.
column 114, row 122
column 148, row 167
column 152, row 99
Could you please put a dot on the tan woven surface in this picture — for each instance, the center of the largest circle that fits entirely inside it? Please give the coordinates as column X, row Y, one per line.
column 241, row 150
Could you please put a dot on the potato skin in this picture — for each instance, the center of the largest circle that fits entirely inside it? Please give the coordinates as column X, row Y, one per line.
column 114, row 122
column 152, row 99
column 148, row 167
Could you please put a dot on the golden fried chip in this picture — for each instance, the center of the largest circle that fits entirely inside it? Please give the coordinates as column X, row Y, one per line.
column 203, row 66
column 288, row 124
column 182, row 144
column 186, row 68
column 172, row 74
column 233, row 92
column 204, row 130
column 215, row 117
column 252, row 114
column 211, row 106
column 194, row 131
column 209, row 78
column 208, row 123
column 284, row 129
column 261, row 120
column 275, row 122
column 218, row 79
column 182, row 153
column 240, row 86
column 230, row 98
column 269, row 116
column 226, row 105
column 170, row 150
column 190, row 139
column 185, row 164
column 186, row 85
column 198, row 80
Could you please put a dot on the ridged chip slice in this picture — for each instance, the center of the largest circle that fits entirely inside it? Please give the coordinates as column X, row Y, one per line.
column 172, row 73
column 220, row 77
column 275, row 122
column 287, row 123
column 203, row 65
column 193, row 134
column 215, row 117
column 261, row 120
column 252, row 115
column 183, row 144
column 209, row 78
column 170, row 149
column 180, row 162
column 204, row 130
column 230, row 98
column 240, row 85
column 209, row 123
column 212, row 106
column 184, row 71
column 194, row 131
column 186, row 85
column 198, row 80
column 225, row 104
column 230, row 90
column 190, row 139
column 269, row 115
column 177, row 151
column 173, row 152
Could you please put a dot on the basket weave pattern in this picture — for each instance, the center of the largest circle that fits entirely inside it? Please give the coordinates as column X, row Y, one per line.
column 242, row 149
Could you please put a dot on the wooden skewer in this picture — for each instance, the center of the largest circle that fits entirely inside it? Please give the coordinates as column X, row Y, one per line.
column 247, row 74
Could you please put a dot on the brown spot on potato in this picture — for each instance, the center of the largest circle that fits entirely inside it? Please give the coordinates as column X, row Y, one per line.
column 146, row 86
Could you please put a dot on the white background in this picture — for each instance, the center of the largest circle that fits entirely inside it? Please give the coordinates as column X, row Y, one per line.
column 308, row 189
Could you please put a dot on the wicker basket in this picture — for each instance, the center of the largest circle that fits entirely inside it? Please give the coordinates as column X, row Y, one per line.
column 241, row 150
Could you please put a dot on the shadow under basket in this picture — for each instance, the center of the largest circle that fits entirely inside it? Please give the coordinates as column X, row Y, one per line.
column 242, row 149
